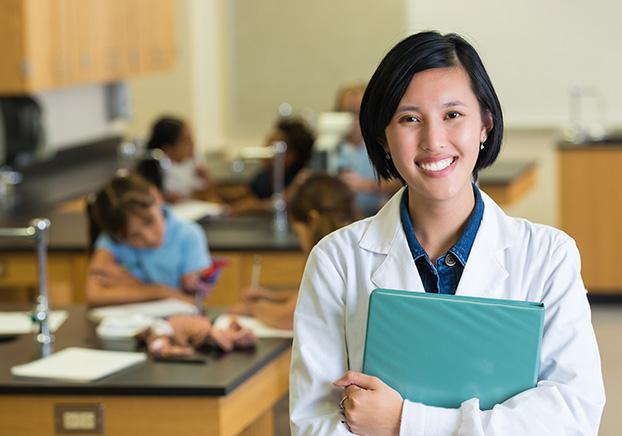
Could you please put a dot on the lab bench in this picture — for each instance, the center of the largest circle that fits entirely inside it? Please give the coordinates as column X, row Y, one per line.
column 230, row 394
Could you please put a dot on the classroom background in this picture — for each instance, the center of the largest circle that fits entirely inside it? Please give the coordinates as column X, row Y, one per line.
column 102, row 72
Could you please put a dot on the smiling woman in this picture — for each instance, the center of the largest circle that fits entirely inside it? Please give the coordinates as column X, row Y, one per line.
column 430, row 117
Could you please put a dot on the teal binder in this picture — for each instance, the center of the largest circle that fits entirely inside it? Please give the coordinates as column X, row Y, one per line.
column 441, row 350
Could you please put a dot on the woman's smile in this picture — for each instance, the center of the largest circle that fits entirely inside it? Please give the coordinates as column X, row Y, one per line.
column 437, row 167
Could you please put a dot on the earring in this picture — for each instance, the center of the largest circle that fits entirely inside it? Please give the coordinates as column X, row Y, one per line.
column 481, row 146
column 387, row 156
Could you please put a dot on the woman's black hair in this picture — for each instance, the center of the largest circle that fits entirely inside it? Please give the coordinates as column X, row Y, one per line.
column 420, row 52
column 165, row 132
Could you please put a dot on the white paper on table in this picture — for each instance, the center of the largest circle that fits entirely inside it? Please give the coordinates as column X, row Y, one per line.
column 157, row 309
column 257, row 327
column 20, row 323
column 194, row 210
column 78, row 364
column 123, row 327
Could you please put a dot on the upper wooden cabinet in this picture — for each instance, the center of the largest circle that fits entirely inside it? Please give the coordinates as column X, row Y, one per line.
column 55, row 43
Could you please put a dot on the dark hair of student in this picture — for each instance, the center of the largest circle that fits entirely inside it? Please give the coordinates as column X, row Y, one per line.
column 165, row 132
column 327, row 195
column 298, row 138
column 387, row 86
column 122, row 196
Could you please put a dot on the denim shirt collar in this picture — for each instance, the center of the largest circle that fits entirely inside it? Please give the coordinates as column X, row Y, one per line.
column 462, row 247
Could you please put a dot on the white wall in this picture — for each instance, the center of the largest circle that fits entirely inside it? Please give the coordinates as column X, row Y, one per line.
column 74, row 115
column 535, row 50
column 300, row 52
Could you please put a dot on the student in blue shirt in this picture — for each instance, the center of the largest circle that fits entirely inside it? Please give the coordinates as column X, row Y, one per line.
column 144, row 252
column 352, row 161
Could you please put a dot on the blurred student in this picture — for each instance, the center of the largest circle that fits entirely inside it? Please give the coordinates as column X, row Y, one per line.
column 353, row 163
column 144, row 252
column 186, row 178
column 257, row 196
column 321, row 205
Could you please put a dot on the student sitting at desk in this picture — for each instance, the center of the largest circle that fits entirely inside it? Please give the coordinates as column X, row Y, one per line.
column 145, row 252
column 352, row 161
column 321, row 205
column 185, row 178
column 431, row 118
column 257, row 196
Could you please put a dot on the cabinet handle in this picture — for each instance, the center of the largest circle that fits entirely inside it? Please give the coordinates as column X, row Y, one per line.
column 26, row 67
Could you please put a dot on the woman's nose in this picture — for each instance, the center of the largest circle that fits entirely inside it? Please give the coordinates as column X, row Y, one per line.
column 433, row 137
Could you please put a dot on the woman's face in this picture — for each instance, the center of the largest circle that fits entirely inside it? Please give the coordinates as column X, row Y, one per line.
column 435, row 134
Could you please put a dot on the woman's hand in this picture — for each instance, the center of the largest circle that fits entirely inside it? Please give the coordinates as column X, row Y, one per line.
column 369, row 405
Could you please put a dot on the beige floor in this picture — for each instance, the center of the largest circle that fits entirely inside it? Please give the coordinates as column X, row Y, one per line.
column 607, row 320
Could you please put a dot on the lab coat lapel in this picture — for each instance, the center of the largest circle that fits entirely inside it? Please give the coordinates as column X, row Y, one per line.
column 485, row 270
column 385, row 236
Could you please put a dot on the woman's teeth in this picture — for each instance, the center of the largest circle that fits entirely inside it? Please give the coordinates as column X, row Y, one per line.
column 436, row 166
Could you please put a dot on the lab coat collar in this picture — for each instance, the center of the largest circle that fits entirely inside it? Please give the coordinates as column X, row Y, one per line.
column 483, row 273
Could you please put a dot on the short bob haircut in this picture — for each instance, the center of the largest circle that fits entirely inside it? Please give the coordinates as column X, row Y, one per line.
column 420, row 52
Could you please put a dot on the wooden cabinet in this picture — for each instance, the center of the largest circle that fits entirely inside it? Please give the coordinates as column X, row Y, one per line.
column 280, row 271
column 56, row 43
column 66, row 277
column 591, row 212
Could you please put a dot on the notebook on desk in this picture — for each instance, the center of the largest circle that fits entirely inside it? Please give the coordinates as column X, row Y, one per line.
column 441, row 350
column 78, row 364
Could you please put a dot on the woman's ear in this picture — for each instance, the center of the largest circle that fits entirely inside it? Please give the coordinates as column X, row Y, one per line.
column 487, row 125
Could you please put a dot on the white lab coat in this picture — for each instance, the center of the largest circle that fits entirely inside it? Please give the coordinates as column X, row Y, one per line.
column 510, row 258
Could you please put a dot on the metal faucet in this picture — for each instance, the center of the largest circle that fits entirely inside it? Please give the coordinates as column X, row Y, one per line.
column 37, row 231
column 279, row 205
column 275, row 151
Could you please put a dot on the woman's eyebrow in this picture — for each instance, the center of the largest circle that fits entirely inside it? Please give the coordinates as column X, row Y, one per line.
column 410, row 107
column 453, row 103
column 407, row 108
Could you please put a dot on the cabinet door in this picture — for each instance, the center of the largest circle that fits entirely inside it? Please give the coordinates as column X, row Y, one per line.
column 19, row 282
column 591, row 212
column 38, row 53
column 14, row 65
column 163, row 42
column 110, row 40
column 151, row 35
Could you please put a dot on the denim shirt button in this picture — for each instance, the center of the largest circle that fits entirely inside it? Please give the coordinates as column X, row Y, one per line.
column 450, row 259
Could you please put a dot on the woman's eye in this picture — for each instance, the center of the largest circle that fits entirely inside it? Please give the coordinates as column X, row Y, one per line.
column 408, row 119
column 453, row 114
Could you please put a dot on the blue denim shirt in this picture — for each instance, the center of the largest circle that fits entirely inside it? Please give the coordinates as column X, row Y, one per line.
column 443, row 277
